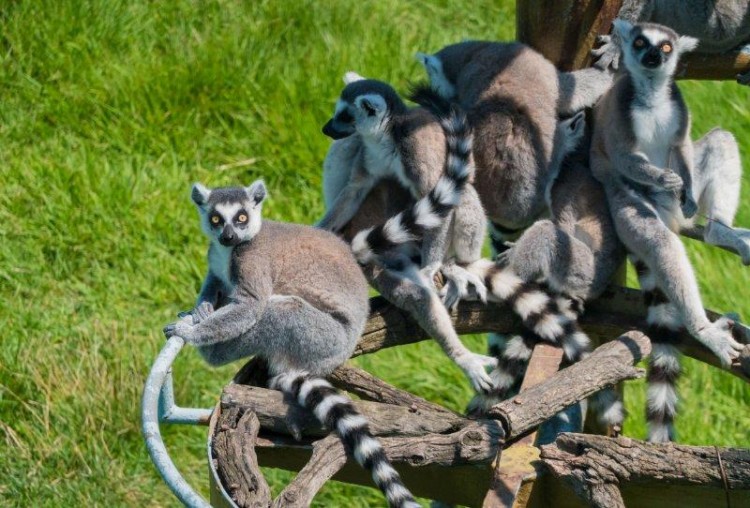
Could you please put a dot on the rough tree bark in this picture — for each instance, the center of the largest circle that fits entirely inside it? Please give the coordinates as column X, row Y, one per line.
column 595, row 466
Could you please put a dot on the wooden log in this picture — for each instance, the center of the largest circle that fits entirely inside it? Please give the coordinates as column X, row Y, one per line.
column 615, row 312
column 384, row 419
column 514, row 466
column 606, row 366
column 328, row 457
column 369, row 387
column 596, row 467
column 234, row 453
column 564, row 31
column 713, row 66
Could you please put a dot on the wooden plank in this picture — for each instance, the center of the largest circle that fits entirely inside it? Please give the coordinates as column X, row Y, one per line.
column 514, row 470
column 564, row 31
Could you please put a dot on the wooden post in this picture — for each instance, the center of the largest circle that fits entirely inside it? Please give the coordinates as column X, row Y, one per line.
column 564, row 31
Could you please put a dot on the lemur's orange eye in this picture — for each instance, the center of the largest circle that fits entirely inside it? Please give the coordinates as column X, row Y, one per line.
column 666, row 48
column 242, row 218
column 639, row 43
column 215, row 219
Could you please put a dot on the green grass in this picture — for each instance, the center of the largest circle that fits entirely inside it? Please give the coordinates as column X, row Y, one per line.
column 109, row 110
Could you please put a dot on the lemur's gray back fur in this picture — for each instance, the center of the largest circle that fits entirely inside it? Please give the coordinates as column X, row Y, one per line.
column 512, row 96
column 294, row 296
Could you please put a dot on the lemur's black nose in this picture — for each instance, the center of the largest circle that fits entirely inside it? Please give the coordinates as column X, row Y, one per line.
column 652, row 58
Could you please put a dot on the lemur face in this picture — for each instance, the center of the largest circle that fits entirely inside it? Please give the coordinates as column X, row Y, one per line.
column 364, row 107
column 230, row 215
column 650, row 49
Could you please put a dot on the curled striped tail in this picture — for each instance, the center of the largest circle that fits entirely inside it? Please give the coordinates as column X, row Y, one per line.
column 337, row 412
column 431, row 210
column 664, row 369
column 546, row 316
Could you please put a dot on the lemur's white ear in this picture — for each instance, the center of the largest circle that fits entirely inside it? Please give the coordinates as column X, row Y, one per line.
column 351, row 77
column 577, row 122
column 371, row 104
column 622, row 28
column 686, row 44
column 200, row 194
column 257, row 192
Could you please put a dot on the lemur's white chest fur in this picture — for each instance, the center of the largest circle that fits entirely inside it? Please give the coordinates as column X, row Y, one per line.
column 383, row 160
column 219, row 263
column 655, row 127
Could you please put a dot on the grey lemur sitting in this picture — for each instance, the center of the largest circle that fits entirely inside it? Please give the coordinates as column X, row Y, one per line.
column 405, row 145
column 388, row 154
column 719, row 25
column 513, row 97
column 656, row 180
column 574, row 254
column 295, row 296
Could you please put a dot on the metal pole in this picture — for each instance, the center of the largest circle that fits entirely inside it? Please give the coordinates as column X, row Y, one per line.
column 158, row 405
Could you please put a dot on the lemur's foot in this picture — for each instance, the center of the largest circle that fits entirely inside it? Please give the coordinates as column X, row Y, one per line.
column 719, row 339
column 475, row 367
column 460, row 285
column 181, row 328
column 607, row 55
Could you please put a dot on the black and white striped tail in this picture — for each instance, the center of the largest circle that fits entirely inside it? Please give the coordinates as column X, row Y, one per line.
column 664, row 325
column 431, row 210
column 545, row 317
column 337, row 412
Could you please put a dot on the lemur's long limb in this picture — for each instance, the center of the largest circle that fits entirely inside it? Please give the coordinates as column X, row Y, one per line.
column 650, row 240
column 637, row 168
column 348, row 201
column 683, row 160
column 718, row 173
column 581, row 89
column 407, row 289
column 211, row 291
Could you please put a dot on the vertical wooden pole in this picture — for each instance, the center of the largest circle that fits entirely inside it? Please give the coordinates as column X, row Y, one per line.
column 564, row 31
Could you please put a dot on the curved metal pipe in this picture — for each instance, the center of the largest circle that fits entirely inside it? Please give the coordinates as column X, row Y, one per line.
column 158, row 404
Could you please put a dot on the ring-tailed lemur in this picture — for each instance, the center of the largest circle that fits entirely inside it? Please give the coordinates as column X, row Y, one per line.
column 293, row 295
column 380, row 143
column 719, row 25
column 655, row 178
column 411, row 146
column 574, row 254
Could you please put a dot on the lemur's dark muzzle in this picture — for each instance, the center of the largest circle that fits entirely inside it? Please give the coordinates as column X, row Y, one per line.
column 652, row 58
column 332, row 132
column 227, row 237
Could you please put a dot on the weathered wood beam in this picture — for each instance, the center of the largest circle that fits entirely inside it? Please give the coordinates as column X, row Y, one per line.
column 606, row 366
column 234, row 453
column 597, row 466
column 384, row 419
column 368, row 387
column 514, row 466
column 564, row 31
column 617, row 311
column 723, row 66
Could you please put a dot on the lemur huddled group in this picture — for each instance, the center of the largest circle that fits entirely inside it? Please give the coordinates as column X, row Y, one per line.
column 500, row 141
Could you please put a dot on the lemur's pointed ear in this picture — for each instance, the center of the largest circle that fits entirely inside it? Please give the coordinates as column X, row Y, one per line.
column 351, row 77
column 622, row 28
column 371, row 104
column 430, row 62
column 200, row 194
column 686, row 44
column 257, row 192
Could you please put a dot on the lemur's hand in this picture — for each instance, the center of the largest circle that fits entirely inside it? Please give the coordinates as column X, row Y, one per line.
column 670, row 181
column 182, row 328
column 607, row 55
column 461, row 285
column 718, row 338
column 475, row 367
column 201, row 312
